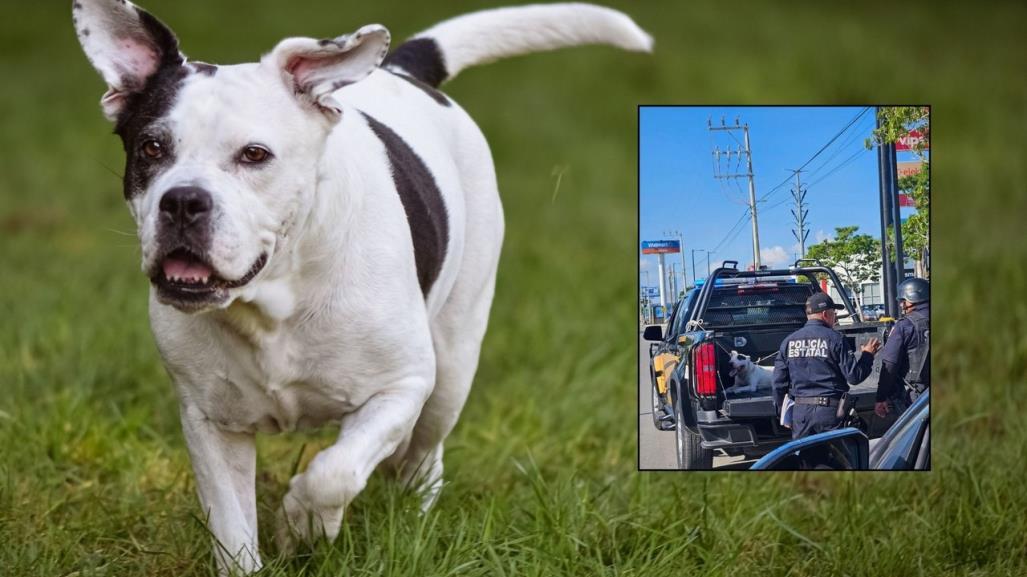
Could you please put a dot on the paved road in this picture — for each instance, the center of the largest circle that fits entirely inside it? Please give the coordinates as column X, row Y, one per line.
column 656, row 449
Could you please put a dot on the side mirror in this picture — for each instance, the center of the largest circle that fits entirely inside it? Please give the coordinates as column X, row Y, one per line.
column 653, row 333
column 845, row 449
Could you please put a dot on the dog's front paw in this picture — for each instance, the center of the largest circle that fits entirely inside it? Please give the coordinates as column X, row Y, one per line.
column 301, row 521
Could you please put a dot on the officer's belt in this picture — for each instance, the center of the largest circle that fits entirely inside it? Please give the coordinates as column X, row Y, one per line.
column 819, row 401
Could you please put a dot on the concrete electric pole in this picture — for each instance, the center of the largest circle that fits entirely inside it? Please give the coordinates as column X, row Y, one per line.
column 747, row 174
column 681, row 245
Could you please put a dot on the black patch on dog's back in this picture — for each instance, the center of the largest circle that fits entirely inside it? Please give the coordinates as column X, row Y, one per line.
column 422, row 59
column 433, row 93
column 422, row 202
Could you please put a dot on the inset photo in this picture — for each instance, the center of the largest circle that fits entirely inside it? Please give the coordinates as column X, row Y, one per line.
column 784, row 288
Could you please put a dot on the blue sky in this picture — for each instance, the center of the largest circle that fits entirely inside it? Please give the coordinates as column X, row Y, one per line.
column 678, row 190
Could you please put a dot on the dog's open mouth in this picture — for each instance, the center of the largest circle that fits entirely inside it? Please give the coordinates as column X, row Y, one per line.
column 186, row 280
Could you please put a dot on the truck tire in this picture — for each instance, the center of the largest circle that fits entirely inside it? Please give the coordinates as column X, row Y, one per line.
column 690, row 453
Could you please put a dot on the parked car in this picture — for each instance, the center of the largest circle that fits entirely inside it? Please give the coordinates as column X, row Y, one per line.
column 873, row 312
column 905, row 446
column 751, row 312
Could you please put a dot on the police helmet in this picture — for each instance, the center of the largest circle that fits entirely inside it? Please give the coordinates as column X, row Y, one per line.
column 914, row 290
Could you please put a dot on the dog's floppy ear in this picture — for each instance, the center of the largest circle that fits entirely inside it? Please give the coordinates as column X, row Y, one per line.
column 314, row 69
column 126, row 46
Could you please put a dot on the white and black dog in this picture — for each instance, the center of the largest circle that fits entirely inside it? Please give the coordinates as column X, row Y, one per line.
column 321, row 230
column 748, row 375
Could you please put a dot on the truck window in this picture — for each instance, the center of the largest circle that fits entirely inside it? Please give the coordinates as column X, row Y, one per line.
column 759, row 304
column 684, row 311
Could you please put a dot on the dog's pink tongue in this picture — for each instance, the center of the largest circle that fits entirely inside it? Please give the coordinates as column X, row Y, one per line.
column 179, row 268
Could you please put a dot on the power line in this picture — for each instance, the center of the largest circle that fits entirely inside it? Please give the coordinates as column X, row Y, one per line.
column 823, row 177
column 842, row 131
column 818, row 153
column 844, row 145
column 840, row 165
column 737, row 225
column 740, row 229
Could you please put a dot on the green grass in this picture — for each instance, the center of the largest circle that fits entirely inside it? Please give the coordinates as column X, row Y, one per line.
column 94, row 477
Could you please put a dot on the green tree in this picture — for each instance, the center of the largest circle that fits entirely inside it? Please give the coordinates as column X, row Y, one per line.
column 857, row 257
column 896, row 122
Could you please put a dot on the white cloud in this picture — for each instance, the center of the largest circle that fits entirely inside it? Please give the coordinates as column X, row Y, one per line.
column 643, row 263
column 775, row 256
column 821, row 236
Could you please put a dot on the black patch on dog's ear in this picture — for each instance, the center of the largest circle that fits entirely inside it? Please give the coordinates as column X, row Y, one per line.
column 422, row 59
column 422, row 202
column 436, row 95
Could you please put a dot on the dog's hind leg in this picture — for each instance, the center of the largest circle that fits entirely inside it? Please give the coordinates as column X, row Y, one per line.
column 459, row 326
column 458, row 332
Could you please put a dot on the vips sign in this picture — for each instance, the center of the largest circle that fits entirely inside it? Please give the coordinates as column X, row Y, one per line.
column 660, row 246
column 913, row 140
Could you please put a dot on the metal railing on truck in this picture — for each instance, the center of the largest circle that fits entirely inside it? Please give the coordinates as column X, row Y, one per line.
column 724, row 272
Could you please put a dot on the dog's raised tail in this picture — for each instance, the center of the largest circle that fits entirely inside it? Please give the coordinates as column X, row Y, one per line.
column 442, row 51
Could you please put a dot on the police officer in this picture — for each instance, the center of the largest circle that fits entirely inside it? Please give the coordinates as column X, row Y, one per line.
column 906, row 359
column 816, row 365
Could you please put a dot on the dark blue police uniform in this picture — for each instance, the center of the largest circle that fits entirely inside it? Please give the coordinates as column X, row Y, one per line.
column 906, row 358
column 816, row 365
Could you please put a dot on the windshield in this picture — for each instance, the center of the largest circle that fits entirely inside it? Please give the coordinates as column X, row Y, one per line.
column 758, row 304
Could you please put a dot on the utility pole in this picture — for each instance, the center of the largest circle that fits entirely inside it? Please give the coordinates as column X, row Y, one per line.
column 893, row 180
column 888, row 272
column 799, row 212
column 662, row 276
column 681, row 245
column 747, row 174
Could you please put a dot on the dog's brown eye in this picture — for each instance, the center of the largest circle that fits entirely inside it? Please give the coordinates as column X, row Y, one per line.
column 255, row 154
column 153, row 149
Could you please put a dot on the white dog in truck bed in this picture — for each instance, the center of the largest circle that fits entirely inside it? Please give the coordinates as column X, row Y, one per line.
column 321, row 230
column 748, row 375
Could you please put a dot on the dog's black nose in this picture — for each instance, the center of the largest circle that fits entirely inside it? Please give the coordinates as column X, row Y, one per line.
column 186, row 204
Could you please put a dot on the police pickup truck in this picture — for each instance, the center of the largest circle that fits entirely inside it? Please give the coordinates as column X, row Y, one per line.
column 750, row 312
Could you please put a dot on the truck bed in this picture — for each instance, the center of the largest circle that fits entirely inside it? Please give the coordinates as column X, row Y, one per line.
column 760, row 404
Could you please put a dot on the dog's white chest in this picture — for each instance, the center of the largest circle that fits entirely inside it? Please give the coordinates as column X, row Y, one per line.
column 275, row 384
